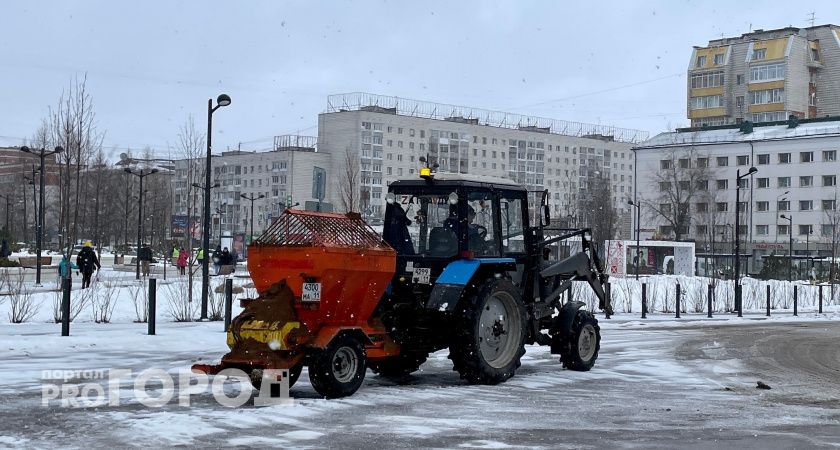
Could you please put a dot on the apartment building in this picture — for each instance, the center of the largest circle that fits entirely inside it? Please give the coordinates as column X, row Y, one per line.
column 797, row 177
column 390, row 134
column 282, row 174
column 765, row 76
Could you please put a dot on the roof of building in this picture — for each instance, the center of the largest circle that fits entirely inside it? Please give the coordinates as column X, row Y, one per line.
column 769, row 131
column 362, row 101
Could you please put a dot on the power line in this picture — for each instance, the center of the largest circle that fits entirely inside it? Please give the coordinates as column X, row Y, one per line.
column 617, row 88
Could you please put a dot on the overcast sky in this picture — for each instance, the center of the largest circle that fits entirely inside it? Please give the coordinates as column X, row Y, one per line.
column 151, row 64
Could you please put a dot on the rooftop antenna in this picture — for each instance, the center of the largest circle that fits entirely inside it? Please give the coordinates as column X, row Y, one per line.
column 813, row 18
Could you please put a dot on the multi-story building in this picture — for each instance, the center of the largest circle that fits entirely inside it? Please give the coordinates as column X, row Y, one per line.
column 389, row 135
column 282, row 174
column 765, row 76
column 695, row 171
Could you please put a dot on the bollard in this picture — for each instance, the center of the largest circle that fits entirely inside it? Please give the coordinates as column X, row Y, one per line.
column 229, row 302
column 739, row 300
column 710, row 300
column 794, row 301
column 768, row 300
column 608, row 300
column 820, row 310
column 644, row 300
column 66, row 285
column 152, row 305
column 678, row 301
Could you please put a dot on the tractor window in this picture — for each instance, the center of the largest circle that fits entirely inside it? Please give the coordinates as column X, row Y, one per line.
column 428, row 230
column 482, row 233
column 513, row 239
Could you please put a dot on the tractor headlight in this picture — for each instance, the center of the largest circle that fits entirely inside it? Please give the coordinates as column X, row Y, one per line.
column 453, row 198
column 390, row 198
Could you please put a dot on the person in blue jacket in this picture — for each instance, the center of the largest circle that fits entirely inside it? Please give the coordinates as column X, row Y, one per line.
column 66, row 267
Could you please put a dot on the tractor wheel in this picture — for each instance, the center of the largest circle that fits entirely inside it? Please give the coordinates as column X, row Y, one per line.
column 256, row 376
column 398, row 366
column 339, row 369
column 489, row 337
column 581, row 346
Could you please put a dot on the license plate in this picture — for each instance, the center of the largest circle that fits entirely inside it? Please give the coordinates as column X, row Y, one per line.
column 311, row 292
column 422, row 275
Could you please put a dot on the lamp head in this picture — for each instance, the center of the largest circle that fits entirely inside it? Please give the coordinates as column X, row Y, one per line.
column 752, row 170
column 223, row 100
column 127, row 170
column 783, row 216
column 24, row 149
column 261, row 196
column 59, row 149
column 154, row 170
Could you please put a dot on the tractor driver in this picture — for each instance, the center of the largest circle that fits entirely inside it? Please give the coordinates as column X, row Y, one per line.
column 476, row 232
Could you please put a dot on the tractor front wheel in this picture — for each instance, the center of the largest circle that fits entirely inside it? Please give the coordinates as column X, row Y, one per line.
column 339, row 369
column 580, row 347
column 489, row 338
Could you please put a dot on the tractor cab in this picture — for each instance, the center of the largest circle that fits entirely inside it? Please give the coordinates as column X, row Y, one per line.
column 456, row 216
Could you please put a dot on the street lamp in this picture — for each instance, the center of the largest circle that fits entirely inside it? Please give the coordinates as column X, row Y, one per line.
column 41, row 154
column 738, row 178
column 252, row 198
column 219, row 211
column 222, row 100
column 790, row 247
column 142, row 173
column 638, row 213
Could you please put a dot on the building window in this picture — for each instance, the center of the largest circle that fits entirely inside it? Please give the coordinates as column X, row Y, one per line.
column 739, row 101
column 739, row 79
column 806, row 157
column 762, row 206
column 701, row 162
column 706, row 80
column 700, row 230
column 762, row 230
column 806, row 181
column 665, row 164
column 722, row 184
column 782, row 230
column 767, row 72
column 829, row 205
column 784, row 158
column 422, row 133
column 783, row 205
column 721, row 206
column 664, row 186
column 767, row 96
column 805, row 229
column 743, row 160
column 759, row 53
column 719, row 59
column 744, row 183
column 399, row 130
column 828, row 230
column 702, row 185
column 763, row 183
column 707, row 101
column 701, row 61
column 829, row 180
column 684, row 163
column 701, row 207
column 722, row 161
column 411, row 132
column 829, row 155
column 784, row 182
column 806, row 205
column 773, row 116
column 764, row 159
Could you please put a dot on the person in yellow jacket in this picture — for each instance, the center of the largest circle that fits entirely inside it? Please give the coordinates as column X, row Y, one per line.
column 200, row 255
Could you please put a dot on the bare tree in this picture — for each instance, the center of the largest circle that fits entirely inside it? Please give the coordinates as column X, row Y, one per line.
column 681, row 173
column 349, row 181
column 597, row 208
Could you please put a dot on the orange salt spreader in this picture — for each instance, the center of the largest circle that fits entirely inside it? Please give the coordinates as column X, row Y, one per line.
column 319, row 276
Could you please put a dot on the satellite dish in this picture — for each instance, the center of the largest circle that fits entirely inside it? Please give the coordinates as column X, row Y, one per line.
column 123, row 156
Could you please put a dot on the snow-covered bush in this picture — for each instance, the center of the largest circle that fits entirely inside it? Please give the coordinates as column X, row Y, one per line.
column 181, row 309
column 22, row 306
column 104, row 300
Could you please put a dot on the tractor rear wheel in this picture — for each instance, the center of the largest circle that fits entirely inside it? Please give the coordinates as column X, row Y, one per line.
column 256, row 376
column 582, row 343
column 490, row 333
column 398, row 366
column 339, row 369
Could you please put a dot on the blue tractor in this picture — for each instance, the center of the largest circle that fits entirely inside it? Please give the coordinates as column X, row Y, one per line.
column 477, row 273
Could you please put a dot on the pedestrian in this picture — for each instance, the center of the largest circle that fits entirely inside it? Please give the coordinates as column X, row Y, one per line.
column 217, row 259
column 227, row 258
column 200, row 256
column 182, row 261
column 176, row 254
column 87, row 262
column 145, row 257
column 4, row 250
column 66, row 268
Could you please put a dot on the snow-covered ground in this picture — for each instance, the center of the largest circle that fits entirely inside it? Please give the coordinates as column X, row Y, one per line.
column 643, row 387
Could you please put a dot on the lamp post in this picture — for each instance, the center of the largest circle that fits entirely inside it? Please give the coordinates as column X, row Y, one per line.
column 142, row 173
column 738, row 178
column 251, row 198
column 790, row 246
column 41, row 154
column 222, row 100
column 638, row 214
column 219, row 211
column 8, row 200
column 780, row 197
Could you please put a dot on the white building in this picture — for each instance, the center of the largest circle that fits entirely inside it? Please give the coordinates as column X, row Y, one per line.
column 797, row 177
column 390, row 134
